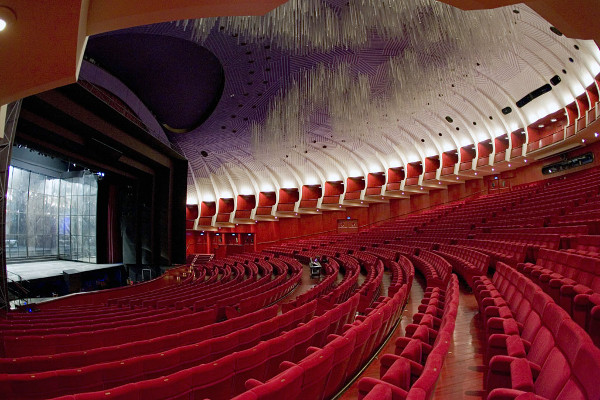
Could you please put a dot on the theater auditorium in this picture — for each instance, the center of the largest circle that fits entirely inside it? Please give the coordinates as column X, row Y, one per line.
column 302, row 199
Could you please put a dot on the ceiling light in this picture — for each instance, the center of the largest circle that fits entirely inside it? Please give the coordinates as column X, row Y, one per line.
column 509, row 165
column 475, row 173
column 492, row 169
column 7, row 16
column 582, row 140
column 553, row 120
column 525, row 160
column 595, row 134
column 540, row 125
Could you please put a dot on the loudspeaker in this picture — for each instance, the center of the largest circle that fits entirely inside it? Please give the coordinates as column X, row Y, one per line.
column 506, row 110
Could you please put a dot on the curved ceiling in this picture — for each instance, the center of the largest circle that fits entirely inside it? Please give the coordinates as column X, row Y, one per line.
column 323, row 90
column 180, row 81
column 320, row 99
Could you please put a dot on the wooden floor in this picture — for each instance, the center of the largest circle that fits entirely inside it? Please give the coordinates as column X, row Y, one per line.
column 462, row 374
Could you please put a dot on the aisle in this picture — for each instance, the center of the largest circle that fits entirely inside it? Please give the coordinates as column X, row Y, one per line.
column 462, row 374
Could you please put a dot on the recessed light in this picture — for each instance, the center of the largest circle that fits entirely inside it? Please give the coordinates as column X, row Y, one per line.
column 457, row 178
column 582, row 140
column 525, row 160
column 540, row 125
column 553, row 120
column 493, row 169
column 509, row 165
column 595, row 134
column 475, row 173
column 7, row 16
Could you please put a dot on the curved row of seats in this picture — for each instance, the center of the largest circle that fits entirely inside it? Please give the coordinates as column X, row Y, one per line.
column 147, row 366
column 413, row 369
column 134, row 348
column 174, row 322
column 222, row 378
column 331, row 270
column 436, row 269
column 325, row 369
column 532, row 343
column 466, row 262
column 508, row 253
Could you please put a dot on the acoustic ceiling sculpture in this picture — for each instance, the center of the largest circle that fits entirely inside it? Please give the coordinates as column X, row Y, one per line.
column 323, row 90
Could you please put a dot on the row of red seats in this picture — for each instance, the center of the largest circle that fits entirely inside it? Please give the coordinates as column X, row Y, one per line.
column 135, row 299
column 143, row 316
column 466, row 262
column 533, row 241
column 108, row 375
column 573, row 281
column 371, row 287
column 326, row 369
column 19, row 346
column 250, row 302
column 111, row 314
column 134, row 348
column 437, row 270
column 412, row 371
column 231, row 284
column 331, row 269
column 563, row 231
column 83, row 301
column 509, row 253
column 402, row 274
column 259, row 291
column 585, row 245
column 223, row 378
column 533, row 346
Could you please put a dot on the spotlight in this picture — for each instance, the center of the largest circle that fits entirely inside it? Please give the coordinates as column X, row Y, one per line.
column 595, row 134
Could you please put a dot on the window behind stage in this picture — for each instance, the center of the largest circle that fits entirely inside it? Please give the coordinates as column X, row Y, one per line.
column 51, row 217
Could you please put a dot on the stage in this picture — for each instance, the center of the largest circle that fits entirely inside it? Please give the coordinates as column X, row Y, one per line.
column 29, row 271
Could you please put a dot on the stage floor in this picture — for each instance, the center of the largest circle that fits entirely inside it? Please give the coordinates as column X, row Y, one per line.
column 46, row 269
